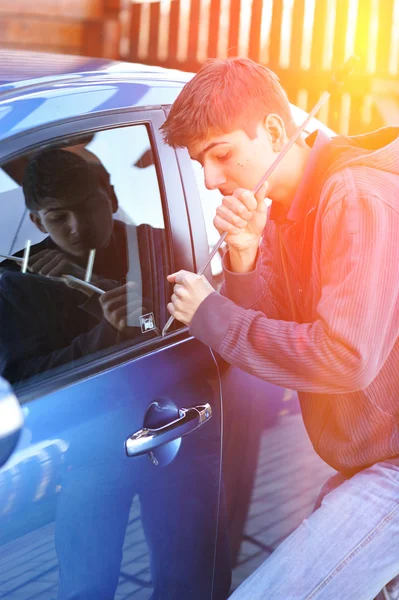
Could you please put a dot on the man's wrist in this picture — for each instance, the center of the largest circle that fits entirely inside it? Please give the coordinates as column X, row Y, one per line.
column 243, row 261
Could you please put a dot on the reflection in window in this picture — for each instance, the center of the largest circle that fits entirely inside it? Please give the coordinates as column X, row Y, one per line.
column 97, row 196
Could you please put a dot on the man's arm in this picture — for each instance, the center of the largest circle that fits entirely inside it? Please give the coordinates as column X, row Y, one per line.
column 250, row 267
column 356, row 324
column 264, row 283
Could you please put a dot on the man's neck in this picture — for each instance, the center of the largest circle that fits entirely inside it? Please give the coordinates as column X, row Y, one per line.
column 289, row 175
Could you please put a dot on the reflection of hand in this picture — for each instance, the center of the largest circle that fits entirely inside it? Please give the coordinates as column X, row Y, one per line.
column 53, row 263
column 189, row 291
column 122, row 306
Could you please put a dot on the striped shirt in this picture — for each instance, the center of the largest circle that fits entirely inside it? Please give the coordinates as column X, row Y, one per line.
column 320, row 313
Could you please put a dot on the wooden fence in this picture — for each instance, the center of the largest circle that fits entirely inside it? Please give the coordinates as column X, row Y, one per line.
column 303, row 41
column 88, row 27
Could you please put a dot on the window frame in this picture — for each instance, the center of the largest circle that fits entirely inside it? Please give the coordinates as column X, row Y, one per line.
column 175, row 216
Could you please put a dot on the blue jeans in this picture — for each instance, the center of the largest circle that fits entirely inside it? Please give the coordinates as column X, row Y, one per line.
column 347, row 549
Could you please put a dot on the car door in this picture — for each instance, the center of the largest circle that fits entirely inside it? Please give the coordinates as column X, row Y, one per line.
column 114, row 487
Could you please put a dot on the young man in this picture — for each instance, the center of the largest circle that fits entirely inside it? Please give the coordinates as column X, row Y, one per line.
column 310, row 302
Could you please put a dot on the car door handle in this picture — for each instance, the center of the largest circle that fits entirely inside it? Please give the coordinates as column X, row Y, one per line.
column 189, row 420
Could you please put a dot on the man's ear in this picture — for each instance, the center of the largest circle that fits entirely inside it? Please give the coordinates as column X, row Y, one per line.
column 35, row 218
column 274, row 125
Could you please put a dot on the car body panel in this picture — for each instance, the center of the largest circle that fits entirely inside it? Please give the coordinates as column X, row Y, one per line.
column 71, row 493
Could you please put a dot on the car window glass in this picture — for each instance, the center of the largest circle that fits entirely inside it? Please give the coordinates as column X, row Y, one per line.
column 132, row 168
column 94, row 198
column 210, row 200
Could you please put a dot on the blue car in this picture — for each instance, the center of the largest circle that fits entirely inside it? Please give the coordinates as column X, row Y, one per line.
column 112, row 483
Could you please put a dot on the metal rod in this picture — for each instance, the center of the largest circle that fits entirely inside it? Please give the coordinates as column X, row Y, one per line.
column 344, row 71
column 26, row 257
column 90, row 263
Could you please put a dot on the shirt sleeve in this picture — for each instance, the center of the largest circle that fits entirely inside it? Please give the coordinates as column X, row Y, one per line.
column 262, row 286
column 356, row 323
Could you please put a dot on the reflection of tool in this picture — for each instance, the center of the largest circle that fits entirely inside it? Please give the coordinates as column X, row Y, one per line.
column 26, row 257
column 337, row 80
column 90, row 264
column 17, row 259
column 79, row 284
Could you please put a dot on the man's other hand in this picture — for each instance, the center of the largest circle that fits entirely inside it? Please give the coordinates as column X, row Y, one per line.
column 188, row 293
column 243, row 215
column 53, row 263
column 122, row 306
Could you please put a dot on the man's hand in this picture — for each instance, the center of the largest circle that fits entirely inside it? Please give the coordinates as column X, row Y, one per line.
column 122, row 306
column 189, row 291
column 53, row 263
column 244, row 216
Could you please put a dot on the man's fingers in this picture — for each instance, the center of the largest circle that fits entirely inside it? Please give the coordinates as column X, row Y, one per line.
column 54, row 268
column 174, row 312
column 114, row 303
column 184, row 278
column 34, row 258
column 249, row 200
column 36, row 264
column 178, row 289
column 246, row 197
column 177, row 303
column 121, row 290
column 180, row 276
column 229, row 215
column 238, row 207
column 222, row 225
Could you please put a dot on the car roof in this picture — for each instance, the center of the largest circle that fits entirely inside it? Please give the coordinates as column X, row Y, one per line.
column 37, row 89
column 20, row 68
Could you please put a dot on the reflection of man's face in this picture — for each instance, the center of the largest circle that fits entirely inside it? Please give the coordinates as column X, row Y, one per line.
column 77, row 224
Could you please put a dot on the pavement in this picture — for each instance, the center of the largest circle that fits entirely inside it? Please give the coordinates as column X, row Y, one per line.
column 288, row 479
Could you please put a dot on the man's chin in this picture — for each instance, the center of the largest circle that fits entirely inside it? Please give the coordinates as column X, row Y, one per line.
column 77, row 251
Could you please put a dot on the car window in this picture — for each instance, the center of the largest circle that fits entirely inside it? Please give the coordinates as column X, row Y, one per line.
column 210, row 200
column 91, row 212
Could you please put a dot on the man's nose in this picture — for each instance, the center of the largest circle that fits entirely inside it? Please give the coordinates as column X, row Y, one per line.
column 214, row 177
column 78, row 225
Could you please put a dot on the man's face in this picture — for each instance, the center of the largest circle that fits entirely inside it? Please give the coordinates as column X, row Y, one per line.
column 234, row 160
column 78, row 225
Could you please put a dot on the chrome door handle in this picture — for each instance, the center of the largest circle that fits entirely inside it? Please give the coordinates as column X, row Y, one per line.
column 189, row 420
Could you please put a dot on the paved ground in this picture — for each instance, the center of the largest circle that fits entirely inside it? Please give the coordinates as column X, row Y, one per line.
column 288, row 479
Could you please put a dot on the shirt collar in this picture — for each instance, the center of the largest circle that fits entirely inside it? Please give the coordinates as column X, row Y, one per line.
column 314, row 169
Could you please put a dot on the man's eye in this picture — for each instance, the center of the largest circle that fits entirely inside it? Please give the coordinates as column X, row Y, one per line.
column 57, row 217
column 224, row 156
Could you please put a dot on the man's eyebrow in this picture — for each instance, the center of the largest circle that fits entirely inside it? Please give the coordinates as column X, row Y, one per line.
column 207, row 148
column 52, row 209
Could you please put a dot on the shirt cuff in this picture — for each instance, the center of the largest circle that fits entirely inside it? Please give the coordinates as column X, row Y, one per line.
column 243, row 289
column 212, row 319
